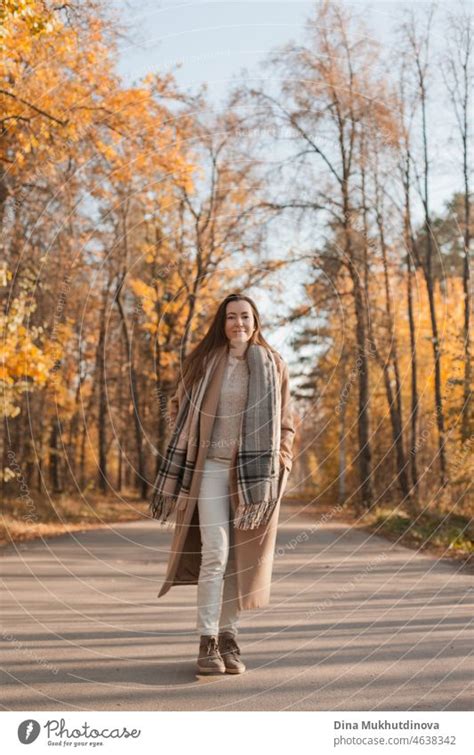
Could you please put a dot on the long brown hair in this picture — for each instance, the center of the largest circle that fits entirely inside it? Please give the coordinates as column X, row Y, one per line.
column 195, row 363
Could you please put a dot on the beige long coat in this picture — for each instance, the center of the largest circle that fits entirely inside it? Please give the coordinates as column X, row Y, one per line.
column 251, row 551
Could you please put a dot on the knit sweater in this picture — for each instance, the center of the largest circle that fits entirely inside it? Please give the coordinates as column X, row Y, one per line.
column 233, row 397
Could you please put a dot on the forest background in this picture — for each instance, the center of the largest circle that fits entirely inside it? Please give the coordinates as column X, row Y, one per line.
column 331, row 182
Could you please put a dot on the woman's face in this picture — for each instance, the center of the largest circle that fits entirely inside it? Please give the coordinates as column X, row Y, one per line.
column 239, row 321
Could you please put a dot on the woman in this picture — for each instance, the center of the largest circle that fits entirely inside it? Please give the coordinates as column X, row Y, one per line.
column 223, row 475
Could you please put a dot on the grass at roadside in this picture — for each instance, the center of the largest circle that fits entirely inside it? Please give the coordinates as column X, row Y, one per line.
column 448, row 535
column 444, row 535
column 47, row 517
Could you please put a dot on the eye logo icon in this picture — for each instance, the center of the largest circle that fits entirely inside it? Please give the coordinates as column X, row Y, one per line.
column 28, row 731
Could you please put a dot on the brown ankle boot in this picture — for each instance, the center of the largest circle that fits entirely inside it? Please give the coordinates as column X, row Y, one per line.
column 209, row 659
column 230, row 653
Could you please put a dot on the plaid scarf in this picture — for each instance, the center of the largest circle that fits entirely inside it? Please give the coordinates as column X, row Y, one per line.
column 257, row 459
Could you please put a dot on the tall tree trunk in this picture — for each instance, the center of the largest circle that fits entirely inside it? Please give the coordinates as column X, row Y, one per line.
column 466, row 278
column 342, row 437
column 460, row 33
column 410, row 250
column 142, row 481
column 394, row 401
column 54, row 457
column 121, row 411
column 363, row 424
column 428, row 273
column 414, row 381
column 363, row 427
column 102, row 399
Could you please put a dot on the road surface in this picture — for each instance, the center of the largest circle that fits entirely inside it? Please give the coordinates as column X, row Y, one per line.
column 355, row 623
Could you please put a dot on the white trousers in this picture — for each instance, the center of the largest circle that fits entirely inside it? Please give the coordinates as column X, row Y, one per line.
column 217, row 608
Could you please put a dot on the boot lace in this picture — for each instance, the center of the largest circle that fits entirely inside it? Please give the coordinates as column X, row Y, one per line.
column 211, row 646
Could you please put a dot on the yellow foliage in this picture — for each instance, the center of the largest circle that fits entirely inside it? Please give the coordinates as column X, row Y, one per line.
column 338, row 370
column 24, row 361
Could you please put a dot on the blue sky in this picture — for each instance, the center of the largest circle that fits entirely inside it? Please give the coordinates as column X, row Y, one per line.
column 213, row 41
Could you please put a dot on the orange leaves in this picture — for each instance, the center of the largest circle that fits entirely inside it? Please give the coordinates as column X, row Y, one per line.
column 31, row 14
column 148, row 298
column 67, row 114
column 57, row 87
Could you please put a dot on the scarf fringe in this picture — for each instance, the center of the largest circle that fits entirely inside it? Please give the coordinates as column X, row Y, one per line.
column 162, row 507
column 259, row 515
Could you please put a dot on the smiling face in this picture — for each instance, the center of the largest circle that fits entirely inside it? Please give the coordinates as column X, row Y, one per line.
column 239, row 322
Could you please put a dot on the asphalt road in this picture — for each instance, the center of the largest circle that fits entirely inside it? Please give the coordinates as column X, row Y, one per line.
column 355, row 623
